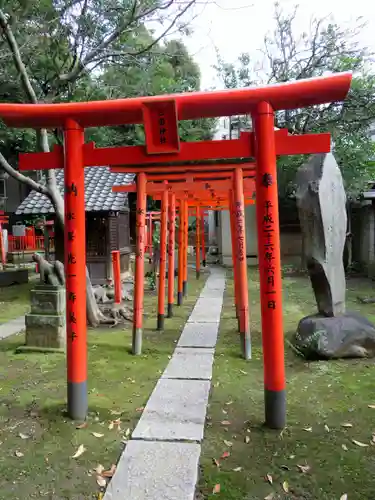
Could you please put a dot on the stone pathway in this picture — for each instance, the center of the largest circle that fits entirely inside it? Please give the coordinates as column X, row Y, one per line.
column 160, row 462
column 12, row 327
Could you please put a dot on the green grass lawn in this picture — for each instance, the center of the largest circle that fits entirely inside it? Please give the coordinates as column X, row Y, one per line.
column 315, row 457
column 37, row 441
column 14, row 301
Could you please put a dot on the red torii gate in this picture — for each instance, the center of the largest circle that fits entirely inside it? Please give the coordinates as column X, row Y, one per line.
column 160, row 116
column 198, row 190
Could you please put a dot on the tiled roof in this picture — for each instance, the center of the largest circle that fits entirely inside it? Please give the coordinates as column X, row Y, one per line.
column 98, row 192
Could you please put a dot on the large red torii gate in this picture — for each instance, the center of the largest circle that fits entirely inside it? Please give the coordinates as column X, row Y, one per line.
column 160, row 116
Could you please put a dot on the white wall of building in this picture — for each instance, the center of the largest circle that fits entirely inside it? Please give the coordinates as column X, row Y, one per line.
column 224, row 235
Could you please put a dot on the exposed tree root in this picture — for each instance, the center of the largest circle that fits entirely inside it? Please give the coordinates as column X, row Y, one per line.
column 107, row 314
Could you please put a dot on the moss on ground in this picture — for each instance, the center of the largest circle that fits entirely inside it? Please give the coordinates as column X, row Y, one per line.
column 38, row 441
column 322, row 396
column 14, row 301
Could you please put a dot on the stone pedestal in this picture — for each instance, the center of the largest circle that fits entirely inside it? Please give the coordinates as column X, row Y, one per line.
column 45, row 325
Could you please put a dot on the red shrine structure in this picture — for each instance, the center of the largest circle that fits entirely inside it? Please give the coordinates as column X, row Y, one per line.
column 164, row 153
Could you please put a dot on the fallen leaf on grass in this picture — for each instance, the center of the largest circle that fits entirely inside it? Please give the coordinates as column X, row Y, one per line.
column 243, row 372
column 225, row 422
column 116, row 412
column 344, row 497
column 115, row 423
column 216, row 462
column 303, row 468
column 229, row 403
column 326, row 428
column 97, row 435
column 371, row 406
column 270, row 496
column 99, row 469
column 285, row 487
column 226, row 454
column 269, row 478
column 109, row 472
column 346, row 425
column 359, row 443
column 101, row 481
column 247, row 439
column 216, row 488
column 307, row 429
column 141, row 408
column 127, row 432
column 81, row 426
column 18, row 454
column 237, row 469
column 344, row 447
column 23, row 436
column 79, row 452
column 284, row 467
column 228, row 443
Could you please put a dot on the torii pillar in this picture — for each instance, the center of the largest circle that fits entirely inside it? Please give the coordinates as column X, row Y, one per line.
column 267, row 210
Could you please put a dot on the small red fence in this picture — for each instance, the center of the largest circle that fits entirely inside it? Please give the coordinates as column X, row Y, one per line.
column 29, row 242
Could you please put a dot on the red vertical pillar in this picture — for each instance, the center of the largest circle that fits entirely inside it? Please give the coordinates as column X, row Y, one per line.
column 186, row 245
column 75, row 270
column 139, row 275
column 149, row 234
column 180, row 277
column 171, row 253
column 203, row 242
column 234, row 252
column 270, row 267
column 117, row 275
column 163, row 259
column 243, row 292
column 198, row 243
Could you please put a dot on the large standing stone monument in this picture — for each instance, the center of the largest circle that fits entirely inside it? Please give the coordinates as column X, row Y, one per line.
column 321, row 201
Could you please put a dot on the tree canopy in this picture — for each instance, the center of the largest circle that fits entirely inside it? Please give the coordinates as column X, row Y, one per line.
column 75, row 50
column 326, row 48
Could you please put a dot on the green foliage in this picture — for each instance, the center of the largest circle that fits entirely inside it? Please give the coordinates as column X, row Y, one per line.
column 327, row 48
column 78, row 50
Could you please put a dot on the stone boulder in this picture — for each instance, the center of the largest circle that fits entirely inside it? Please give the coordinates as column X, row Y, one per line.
column 349, row 335
column 321, row 202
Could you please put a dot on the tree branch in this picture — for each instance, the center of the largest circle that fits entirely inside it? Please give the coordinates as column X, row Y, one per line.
column 42, row 135
column 13, row 46
column 23, row 178
column 94, row 54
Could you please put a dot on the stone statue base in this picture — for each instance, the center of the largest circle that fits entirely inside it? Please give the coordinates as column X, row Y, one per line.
column 45, row 325
column 346, row 336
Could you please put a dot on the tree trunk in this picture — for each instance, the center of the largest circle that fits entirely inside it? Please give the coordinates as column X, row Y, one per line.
column 95, row 317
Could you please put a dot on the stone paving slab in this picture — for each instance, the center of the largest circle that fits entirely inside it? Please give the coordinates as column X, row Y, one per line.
column 176, row 410
column 199, row 335
column 190, row 363
column 155, row 471
column 206, row 310
column 211, row 293
column 215, row 282
column 12, row 327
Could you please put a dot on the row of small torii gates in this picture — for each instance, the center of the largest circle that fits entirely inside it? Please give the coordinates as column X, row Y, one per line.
column 161, row 165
